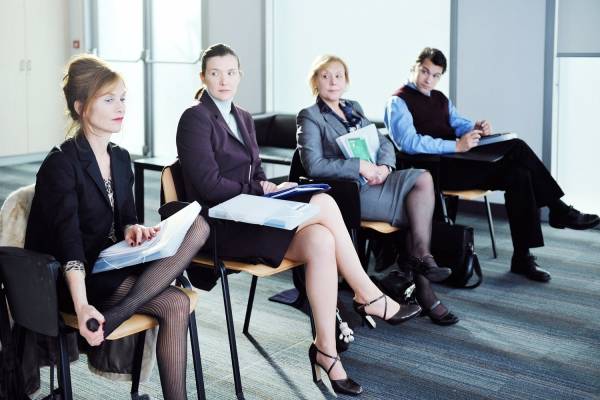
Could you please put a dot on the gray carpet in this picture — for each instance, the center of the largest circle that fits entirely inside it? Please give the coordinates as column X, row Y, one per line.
column 516, row 339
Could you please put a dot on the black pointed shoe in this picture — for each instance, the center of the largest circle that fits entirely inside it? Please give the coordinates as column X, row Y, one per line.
column 573, row 219
column 343, row 386
column 526, row 265
column 427, row 267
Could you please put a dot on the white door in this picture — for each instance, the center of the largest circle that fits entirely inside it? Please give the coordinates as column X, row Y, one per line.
column 13, row 75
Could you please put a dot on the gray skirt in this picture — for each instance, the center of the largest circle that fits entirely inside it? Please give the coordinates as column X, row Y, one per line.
column 387, row 202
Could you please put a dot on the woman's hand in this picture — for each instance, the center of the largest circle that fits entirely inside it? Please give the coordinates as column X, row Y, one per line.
column 84, row 313
column 268, row 187
column 368, row 170
column 138, row 234
column 286, row 185
column 468, row 141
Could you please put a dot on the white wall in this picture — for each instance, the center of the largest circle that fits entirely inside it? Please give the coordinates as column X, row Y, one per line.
column 500, row 66
column 240, row 24
column 378, row 39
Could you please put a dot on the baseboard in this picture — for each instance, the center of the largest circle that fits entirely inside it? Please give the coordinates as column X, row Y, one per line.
column 22, row 159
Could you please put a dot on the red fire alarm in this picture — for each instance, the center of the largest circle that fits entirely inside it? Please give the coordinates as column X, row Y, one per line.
column 75, row 44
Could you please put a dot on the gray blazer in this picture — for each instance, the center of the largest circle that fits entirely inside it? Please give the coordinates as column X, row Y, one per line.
column 319, row 152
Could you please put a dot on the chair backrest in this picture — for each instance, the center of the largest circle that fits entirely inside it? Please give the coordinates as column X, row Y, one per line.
column 172, row 187
column 296, row 168
column 29, row 280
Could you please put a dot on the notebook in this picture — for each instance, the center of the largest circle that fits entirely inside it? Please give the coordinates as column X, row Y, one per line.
column 260, row 210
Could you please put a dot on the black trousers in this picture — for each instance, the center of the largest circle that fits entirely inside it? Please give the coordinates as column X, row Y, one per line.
column 526, row 183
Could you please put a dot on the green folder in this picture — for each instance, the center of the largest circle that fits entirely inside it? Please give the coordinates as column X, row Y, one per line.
column 359, row 148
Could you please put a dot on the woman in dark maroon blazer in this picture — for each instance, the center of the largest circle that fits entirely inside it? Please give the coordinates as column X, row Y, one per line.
column 217, row 148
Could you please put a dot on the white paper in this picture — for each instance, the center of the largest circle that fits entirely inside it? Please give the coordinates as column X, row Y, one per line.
column 164, row 244
column 371, row 136
column 259, row 210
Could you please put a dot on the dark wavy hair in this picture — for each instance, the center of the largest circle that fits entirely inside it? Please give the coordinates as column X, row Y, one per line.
column 433, row 55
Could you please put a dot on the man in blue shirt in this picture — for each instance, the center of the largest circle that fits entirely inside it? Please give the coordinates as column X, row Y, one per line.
column 422, row 120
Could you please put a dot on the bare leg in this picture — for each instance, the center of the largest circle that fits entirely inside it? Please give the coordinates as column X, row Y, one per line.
column 348, row 263
column 315, row 246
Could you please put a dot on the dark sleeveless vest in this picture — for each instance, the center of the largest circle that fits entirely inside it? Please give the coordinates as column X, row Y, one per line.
column 430, row 113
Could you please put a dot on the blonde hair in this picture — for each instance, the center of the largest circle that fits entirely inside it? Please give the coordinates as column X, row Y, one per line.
column 319, row 64
column 86, row 75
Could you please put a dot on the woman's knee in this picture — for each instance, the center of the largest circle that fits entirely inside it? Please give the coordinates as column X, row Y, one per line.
column 325, row 201
column 201, row 226
column 319, row 243
column 178, row 303
column 425, row 180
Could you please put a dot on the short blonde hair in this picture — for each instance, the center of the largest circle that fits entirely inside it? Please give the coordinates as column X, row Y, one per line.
column 320, row 63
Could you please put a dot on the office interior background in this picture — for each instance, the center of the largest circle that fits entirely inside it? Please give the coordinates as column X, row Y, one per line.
column 529, row 67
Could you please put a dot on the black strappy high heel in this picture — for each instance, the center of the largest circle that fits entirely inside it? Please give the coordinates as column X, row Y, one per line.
column 406, row 312
column 344, row 386
column 445, row 319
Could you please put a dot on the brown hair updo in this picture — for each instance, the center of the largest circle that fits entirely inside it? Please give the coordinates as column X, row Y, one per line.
column 86, row 75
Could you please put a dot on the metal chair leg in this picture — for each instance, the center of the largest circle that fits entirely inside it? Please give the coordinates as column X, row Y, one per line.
column 137, row 364
column 64, row 371
column 196, row 356
column 237, row 380
column 490, row 226
column 250, row 303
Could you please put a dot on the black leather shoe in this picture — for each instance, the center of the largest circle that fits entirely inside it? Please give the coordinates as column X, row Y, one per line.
column 573, row 219
column 427, row 267
column 527, row 266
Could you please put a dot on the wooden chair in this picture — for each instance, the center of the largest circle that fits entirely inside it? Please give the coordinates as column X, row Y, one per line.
column 172, row 191
column 35, row 274
column 346, row 193
column 432, row 163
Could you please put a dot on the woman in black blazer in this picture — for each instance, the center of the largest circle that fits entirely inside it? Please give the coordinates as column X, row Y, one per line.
column 216, row 144
column 84, row 203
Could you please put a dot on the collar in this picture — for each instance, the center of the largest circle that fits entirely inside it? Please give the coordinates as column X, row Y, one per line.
column 414, row 87
column 223, row 106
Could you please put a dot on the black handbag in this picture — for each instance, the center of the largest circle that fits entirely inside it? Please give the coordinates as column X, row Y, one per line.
column 453, row 246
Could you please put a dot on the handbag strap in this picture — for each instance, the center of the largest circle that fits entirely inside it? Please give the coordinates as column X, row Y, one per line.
column 476, row 270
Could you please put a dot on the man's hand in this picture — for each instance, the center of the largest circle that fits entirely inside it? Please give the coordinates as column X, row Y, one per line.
column 138, row 234
column 484, row 126
column 268, row 187
column 468, row 141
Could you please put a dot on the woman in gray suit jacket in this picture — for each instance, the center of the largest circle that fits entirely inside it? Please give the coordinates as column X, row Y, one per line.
column 403, row 198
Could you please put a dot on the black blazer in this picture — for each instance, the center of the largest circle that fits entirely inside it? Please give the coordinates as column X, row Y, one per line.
column 216, row 166
column 70, row 215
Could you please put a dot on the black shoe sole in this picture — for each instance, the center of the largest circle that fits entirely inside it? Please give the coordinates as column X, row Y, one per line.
column 575, row 227
column 532, row 278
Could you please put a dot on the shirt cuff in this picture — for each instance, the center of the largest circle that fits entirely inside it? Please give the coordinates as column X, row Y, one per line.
column 449, row 146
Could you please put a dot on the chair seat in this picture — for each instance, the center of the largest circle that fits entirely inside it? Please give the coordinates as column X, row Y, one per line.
column 259, row 270
column 137, row 323
column 379, row 226
column 467, row 194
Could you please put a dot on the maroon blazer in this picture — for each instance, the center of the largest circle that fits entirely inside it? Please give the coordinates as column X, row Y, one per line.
column 215, row 165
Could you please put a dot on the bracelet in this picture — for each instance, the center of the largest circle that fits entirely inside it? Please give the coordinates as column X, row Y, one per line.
column 74, row 265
